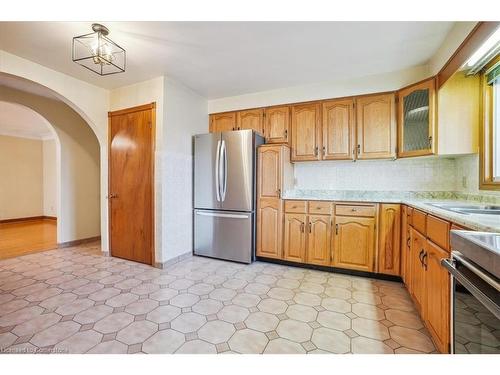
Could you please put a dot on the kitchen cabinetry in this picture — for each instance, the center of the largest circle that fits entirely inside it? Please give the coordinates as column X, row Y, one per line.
column 274, row 175
column 277, row 124
column 389, row 239
column 338, row 129
column 319, row 239
column 306, row 131
column 417, row 119
column 418, row 277
column 376, row 126
column 250, row 119
column 294, row 248
column 354, row 243
column 221, row 122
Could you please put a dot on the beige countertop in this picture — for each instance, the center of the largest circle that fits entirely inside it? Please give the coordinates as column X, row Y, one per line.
column 479, row 222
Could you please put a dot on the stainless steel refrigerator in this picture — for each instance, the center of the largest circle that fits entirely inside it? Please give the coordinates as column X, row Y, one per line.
column 225, row 194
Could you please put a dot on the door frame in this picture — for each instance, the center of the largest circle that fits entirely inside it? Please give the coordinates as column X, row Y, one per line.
column 152, row 108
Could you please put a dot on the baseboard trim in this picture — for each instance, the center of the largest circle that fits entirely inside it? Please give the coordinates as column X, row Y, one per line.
column 378, row 276
column 30, row 218
column 170, row 262
column 78, row 242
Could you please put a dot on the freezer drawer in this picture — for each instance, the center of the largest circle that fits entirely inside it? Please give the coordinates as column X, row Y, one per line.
column 224, row 235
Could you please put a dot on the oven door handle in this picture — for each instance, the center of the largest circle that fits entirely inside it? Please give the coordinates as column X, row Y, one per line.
column 449, row 264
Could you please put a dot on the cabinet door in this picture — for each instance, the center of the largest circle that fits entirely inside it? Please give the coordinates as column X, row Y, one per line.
column 269, row 227
column 354, row 243
column 405, row 243
column 251, row 119
column 306, row 135
column 277, row 124
column 438, row 296
column 389, row 239
column 416, row 109
column 222, row 122
column 294, row 244
column 418, row 286
column 338, row 122
column 319, row 239
column 269, row 172
column 376, row 126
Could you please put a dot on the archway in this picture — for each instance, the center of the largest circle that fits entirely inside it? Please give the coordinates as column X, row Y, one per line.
column 79, row 156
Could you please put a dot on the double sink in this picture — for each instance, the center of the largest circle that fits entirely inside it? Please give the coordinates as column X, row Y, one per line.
column 468, row 209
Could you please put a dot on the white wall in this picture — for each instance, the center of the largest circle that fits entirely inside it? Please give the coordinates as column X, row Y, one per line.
column 49, row 160
column 21, row 182
column 185, row 115
column 363, row 85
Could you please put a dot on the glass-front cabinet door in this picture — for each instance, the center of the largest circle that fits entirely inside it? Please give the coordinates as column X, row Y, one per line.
column 416, row 119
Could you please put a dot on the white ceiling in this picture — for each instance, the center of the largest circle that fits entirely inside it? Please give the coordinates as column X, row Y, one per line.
column 19, row 121
column 219, row 59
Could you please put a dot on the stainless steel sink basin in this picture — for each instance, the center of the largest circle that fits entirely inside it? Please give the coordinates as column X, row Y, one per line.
column 469, row 209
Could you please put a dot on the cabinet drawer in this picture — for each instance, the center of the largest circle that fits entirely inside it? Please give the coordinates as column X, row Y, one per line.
column 299, row 207
column 418, row 221
column 438, row 231
column 355, row 210
column 317, row 207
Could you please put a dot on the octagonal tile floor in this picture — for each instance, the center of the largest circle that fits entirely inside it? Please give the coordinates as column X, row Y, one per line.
column 76, row 300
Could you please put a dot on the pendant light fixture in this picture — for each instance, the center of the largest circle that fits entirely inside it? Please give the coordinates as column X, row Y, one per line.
column 98, row 53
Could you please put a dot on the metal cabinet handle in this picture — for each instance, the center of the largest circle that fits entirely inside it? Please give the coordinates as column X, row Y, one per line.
column 279, row 193
column 336, row 229
column 324, row 151
column 359, row 149
column 302, row 227
column 408, row 240
column 316, row 151
column 309, row 227
column 420, row 255
column 286, row 133
column 424, row 260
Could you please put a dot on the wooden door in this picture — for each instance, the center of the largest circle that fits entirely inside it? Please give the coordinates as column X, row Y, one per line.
column 416, row 119
column 269, row 227
column 389, row 239
column 131, row 183
column 418, row 285
column 251, row 119
column 438, row 297
column 222, row 122
column 306, row 132
column 319, row 239
column 277, row 124
column 294, row 244
column 376, row 126
column 354, row 243
column 269, row 178
column 338, row 129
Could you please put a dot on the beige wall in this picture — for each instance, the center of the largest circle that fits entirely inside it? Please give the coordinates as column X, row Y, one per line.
column 78, row 206
column 49, row 177
column 21, row 177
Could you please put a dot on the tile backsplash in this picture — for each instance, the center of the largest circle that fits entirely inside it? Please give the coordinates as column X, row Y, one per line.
column 417, row 174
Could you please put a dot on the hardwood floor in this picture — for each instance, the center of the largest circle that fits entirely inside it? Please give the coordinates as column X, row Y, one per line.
column 24, row 237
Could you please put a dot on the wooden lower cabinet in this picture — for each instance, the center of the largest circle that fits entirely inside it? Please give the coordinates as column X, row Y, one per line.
column 319, row 240
column 294, row 243
column 418, row 277
column 269, row 228
column 437, row 314
column 389, row 253
column 354, row 243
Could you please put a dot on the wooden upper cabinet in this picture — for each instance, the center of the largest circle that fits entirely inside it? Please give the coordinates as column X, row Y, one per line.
column 437, row 297
column 269, row 175
column 416, row 119
column 269, row 228
column 389, row 239
column 338, row 129
column 277, row 124
column 354, row 244
column 319, row 239
column 222, row 122
column 294, row 244
column 376, row 126
column 251, row 119
column 306, row 131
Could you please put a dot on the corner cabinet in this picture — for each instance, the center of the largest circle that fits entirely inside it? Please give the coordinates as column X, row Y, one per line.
column 277, row 124
column 417, row 119
column 376, row 126
column 306, row 131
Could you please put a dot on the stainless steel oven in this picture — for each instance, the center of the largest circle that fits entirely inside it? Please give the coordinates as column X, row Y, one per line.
column 475, row 325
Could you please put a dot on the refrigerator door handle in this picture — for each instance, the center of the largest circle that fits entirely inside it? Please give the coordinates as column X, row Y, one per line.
column 230, row 216
column 217, row 172
column 224, row 175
